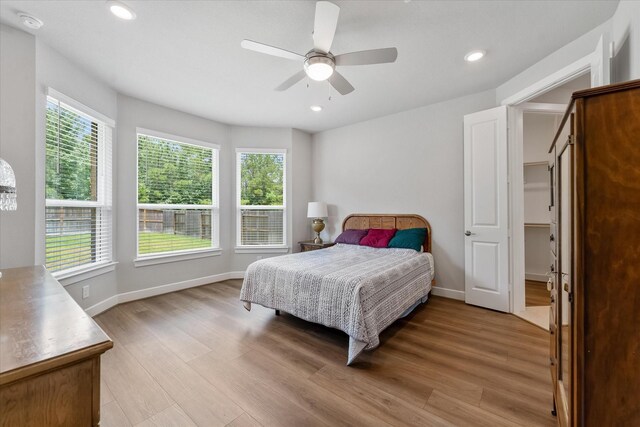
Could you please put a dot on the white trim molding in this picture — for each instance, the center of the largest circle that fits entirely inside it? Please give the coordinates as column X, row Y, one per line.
column 80, row 107
column 69, row 277
column 173, row 257
column 560, row 77
column 175, row 138
column 447, row 293
column 536, row 277
column 262, row 249
column 516, row 195
column 110, row 302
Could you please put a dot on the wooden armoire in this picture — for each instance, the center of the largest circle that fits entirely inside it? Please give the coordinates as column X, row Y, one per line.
column 595, row 259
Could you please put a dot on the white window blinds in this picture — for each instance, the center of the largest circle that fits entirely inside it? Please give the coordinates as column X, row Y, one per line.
column 177, row 195
column 261, row 209
column 78, row 188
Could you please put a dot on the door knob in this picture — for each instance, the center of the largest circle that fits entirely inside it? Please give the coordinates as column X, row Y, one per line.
column 468, row 233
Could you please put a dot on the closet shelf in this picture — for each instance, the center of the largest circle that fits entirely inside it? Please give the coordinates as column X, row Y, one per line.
column 537, row 224
column 545, row 163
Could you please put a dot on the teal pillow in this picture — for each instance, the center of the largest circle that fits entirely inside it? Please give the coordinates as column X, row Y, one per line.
column 411, row 238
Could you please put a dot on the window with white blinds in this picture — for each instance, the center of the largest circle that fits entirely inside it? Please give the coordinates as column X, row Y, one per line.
column 177, row 195
column 261, row 208
column 78, row 188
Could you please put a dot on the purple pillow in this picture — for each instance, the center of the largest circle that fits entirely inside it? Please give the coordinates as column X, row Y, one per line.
column 351, row 237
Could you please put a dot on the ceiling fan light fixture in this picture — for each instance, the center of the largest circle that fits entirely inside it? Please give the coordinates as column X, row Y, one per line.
column 121, row 10
column 474, row 55
column 319, row 68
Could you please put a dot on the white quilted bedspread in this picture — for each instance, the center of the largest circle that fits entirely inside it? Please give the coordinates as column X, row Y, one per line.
column 357, row 289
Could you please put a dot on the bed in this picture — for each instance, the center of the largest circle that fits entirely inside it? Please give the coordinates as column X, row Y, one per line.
column 357, row 289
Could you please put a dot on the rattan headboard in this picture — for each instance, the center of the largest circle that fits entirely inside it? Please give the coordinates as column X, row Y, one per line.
column 399, row 221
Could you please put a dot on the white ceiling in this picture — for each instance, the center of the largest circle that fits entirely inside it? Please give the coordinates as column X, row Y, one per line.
column 187, row 55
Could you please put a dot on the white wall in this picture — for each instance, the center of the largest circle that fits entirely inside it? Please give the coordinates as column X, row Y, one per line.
column 345, row 167
column 17, row 135
column 626, row 38
column 410, row 162
column 29, row 67
column 302, row 186
column 132, row 114
column 258, row 137
column 562, row 94
column 536, row 253
column 566, row 55
column 623, row 29
column 538, row 132
column 55, row 71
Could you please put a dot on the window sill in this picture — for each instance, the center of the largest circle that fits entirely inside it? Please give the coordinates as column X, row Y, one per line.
column 262, row 249
column 162, row 259
column 70, row 277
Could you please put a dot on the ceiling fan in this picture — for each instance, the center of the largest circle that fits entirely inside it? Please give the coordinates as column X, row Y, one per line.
column 319, row 63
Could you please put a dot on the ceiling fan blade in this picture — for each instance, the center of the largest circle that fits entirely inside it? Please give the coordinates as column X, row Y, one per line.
column 271, row 50
column 366, row 57
column 341, row 84
column 292, row 80
column 324, row 27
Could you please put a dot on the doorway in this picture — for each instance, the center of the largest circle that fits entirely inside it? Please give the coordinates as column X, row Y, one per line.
column 494, row 211
column 541, row 119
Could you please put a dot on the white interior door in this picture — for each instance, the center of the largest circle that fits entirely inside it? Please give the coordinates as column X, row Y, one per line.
column 600, row 64
column 486, row 209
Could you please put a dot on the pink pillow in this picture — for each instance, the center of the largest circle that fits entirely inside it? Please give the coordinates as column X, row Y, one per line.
column 378, row 237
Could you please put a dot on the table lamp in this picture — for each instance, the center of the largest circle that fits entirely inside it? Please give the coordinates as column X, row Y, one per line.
column 317, row 211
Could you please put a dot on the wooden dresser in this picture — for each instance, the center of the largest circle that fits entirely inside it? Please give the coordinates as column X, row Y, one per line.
column 595, row 253
column 49, row 353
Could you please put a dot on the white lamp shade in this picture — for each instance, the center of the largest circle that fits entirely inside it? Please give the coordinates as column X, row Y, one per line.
column 317, row 210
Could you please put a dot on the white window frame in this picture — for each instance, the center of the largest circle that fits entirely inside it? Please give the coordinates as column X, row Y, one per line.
column 105, row 191
column 142, row 260
column 283, row 248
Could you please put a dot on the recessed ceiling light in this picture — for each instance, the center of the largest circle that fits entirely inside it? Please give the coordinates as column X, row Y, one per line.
column 30, row 21
column 474, row 55
column 121, row 10
column 316, row 108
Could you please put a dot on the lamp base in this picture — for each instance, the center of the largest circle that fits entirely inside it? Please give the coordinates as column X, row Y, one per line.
column 318, row 226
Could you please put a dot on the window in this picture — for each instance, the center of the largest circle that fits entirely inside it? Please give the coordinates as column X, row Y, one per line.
column 78, row 187
column 261, row 216
column 177, row 195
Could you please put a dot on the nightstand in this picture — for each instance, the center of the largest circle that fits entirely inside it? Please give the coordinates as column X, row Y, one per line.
column 308, row 245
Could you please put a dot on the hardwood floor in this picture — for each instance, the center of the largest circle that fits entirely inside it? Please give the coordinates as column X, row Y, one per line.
column 196, row 357
column 536, row 293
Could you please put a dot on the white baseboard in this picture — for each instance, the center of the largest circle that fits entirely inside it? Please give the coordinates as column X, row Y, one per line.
column 98, row 308
column 447, row 293
column 236, row 275
column 104, row 305
column 110, row 302
column 536, row 277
